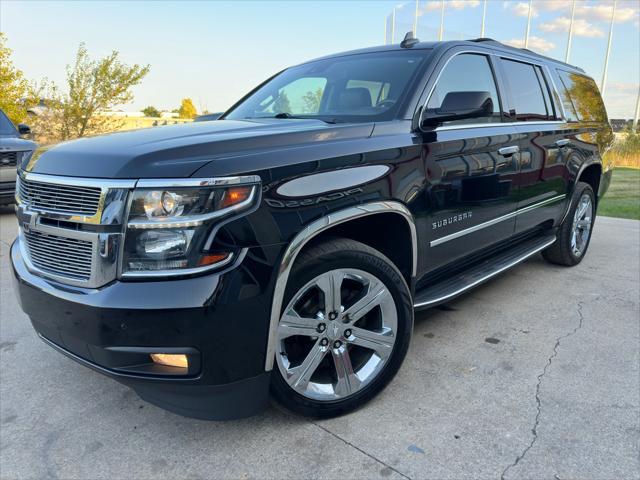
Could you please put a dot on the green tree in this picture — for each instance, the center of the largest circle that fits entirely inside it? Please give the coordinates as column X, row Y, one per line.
column 187, row 109
column 312, row 100
column 281, row 104
column 14, row 88
column 93, row 88
column 151, row 111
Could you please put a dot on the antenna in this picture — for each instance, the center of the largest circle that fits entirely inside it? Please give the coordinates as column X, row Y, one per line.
column 409, row 40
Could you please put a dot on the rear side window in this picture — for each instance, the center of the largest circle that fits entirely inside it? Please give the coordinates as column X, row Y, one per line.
column 527, row 93
column 466, row 73
column 581, row 98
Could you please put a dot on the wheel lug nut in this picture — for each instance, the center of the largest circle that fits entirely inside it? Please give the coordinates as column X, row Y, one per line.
column 321, row 328
column 333, row 315
column 337, row 344
column 324, row 342
column 347, row 333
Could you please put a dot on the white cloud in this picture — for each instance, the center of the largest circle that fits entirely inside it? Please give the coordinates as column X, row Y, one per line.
column 597, row 12
column 448, row 4
column 603, row 12
column 462, row 4
column 555, row 5
column 581, row 28
column 428, row 7
column 521, row 9
column 623, row 87
column 535, row 43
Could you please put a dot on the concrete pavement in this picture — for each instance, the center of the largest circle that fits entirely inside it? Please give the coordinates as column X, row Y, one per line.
column 533, row 375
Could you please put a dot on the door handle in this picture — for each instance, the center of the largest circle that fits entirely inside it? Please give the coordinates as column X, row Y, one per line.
column 562, row 143
column 508, row 151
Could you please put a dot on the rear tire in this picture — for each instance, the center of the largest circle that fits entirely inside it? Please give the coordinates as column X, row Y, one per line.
column 336, row 352
column 574, row 234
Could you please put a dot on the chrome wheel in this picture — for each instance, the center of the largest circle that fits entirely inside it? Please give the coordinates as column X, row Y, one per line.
column 336, row 334
column 582, row 222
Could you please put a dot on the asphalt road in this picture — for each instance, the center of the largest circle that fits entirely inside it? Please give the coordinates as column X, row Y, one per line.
column 534, row 375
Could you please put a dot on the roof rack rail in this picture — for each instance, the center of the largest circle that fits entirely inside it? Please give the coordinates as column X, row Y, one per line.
column 483, row 39
column 491, row 40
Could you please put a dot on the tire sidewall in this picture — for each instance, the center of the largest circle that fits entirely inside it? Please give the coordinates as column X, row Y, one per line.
column 580, row 190
column 378, row 265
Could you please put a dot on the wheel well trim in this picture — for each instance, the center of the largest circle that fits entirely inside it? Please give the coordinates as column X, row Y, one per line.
column 312, row 230
column 581, row 170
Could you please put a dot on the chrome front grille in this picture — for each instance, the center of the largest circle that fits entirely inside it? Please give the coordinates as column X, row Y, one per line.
column 64, row 256
column 8, row 159
column 65, row 199
column 71, row 227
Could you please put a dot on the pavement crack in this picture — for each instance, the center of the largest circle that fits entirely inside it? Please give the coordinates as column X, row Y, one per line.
column 361, row 451
column 536, row 422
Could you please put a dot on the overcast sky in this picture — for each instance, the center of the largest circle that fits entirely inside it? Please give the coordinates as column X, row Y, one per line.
column 214, row 52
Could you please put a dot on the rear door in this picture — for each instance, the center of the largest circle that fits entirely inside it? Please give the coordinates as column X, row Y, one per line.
column 542, row 179
column 471, row 194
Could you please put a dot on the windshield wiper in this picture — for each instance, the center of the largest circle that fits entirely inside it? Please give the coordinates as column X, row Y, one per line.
column 288, row 115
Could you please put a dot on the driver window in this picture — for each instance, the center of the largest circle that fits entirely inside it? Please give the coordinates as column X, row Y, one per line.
column 466, row 73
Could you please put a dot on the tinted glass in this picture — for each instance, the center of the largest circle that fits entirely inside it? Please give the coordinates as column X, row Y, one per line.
column 466, row 73
column 351, row 88
column 526, row 91
column 584, row 97
column 6, row 127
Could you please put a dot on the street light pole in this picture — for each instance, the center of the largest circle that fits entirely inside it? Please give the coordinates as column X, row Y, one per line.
column 484, row 16
column 603, row 85
column 415, row 20
column 393, row 26
column 635, row 119
column 526, row 35
column 573, row 11
column 386, row 24
column 441, row 32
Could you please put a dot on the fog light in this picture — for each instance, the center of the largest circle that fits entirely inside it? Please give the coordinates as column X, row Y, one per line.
column 170, row 359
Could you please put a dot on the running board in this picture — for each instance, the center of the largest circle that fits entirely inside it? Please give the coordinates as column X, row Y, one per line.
column 456, row 285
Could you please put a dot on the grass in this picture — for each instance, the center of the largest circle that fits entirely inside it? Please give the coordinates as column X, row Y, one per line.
column 623, row 198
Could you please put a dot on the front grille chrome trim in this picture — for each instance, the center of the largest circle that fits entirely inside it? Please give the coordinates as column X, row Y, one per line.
column 64, row 193
column 74, row 250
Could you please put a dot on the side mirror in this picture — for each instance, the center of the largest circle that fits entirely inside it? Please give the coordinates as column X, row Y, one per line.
column 459, row 106
column 24, row 129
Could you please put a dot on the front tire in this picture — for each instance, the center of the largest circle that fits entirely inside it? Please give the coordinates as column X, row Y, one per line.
column 574, row 234
column 344, row 331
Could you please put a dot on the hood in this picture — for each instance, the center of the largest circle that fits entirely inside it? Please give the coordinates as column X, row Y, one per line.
column 12, row 143
column 179, row 150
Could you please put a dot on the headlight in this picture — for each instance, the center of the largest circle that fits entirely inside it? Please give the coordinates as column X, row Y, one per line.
column 168, row 228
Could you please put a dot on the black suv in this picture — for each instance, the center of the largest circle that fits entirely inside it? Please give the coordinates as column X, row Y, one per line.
column 12, row 149
column 284, row 248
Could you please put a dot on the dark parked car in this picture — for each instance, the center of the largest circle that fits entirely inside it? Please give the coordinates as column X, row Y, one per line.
column 284, row 248
column 13, row 149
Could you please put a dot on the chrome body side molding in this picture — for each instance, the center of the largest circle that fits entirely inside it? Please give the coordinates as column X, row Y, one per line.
column 475, row 228
column 312, row 230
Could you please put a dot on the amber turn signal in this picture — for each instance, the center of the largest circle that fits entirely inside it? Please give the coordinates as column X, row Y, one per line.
column 170, row 359
column 235, row 195
column 211, row 258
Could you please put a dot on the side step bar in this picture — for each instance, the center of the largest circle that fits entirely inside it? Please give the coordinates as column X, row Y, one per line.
column 456, row 285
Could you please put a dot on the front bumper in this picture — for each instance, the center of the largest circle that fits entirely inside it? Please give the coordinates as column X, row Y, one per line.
column 220, row 319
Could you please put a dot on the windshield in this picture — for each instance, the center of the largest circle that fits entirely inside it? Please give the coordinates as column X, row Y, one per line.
column 6, row 127
column 361, row 87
